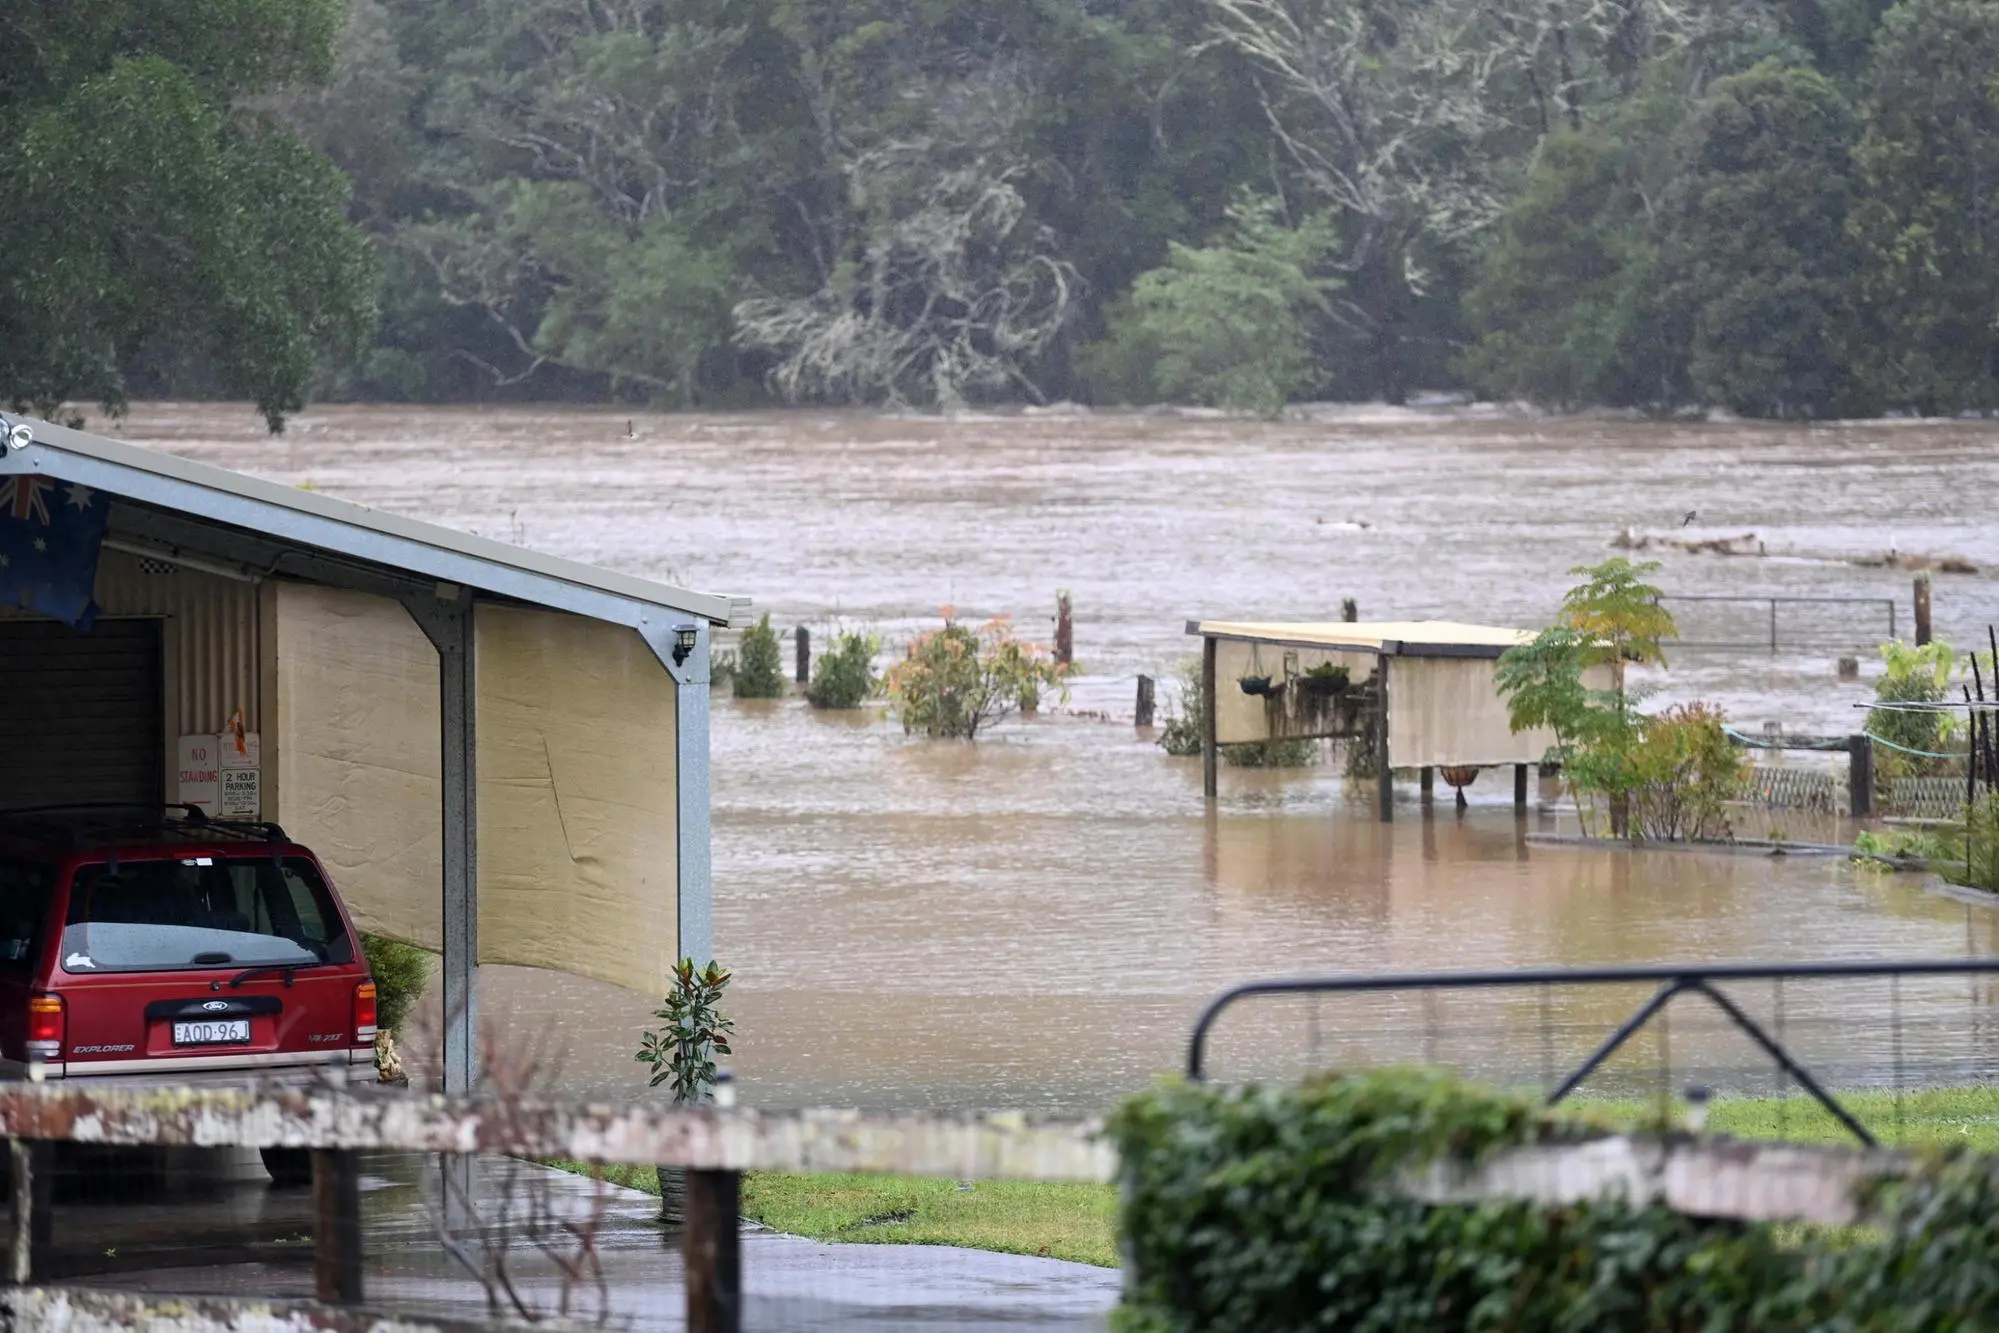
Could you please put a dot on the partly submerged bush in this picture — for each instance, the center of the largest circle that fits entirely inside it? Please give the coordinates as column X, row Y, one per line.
column 759, row 664
column 844, row 675
column 1911, row 737
column 957, row 681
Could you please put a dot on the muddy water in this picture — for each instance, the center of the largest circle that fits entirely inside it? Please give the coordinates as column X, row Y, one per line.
column 1035, row 920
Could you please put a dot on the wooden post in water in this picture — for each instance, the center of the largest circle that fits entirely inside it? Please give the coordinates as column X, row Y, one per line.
column 1384, row 771
column 1860, row 775
column 1349, row 610
column 1427, row 780
column 1065, row 631
column 1922, row 608
column 804, row 671
column 1210, row 758
column 1520, row 787
column 1141, row 715
column 711, row 1252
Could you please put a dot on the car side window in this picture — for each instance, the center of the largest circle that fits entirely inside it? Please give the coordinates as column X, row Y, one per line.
column 313, row 926
column 24, row 901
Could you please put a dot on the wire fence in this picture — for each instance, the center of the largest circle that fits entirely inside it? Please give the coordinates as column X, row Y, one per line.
column 1781, row 624
column 1875, row 1035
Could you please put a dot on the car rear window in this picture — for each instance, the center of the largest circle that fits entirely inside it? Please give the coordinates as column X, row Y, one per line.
column 192, row 912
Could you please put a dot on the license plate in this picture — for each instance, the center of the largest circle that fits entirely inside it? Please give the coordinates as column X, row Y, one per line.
column 212, row 1032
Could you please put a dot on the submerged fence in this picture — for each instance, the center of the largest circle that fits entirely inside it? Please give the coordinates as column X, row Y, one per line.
column 1781, row 624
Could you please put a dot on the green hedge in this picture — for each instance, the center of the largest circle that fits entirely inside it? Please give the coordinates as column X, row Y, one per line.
column 1262, row 1210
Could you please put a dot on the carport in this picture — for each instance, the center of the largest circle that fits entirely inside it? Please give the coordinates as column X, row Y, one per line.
column 396, row 690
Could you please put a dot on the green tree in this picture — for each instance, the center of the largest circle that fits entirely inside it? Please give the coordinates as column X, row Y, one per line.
column 1227, row 325
column 1927, row 222
column 1560, row 301
column 1608, row 621
column 145, row 207
column 1754, row 263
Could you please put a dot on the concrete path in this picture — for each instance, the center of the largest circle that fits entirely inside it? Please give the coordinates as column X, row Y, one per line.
column 219, row 1229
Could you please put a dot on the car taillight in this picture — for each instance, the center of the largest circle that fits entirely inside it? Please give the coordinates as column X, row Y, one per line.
column 364, row 1014
column 46, row 1022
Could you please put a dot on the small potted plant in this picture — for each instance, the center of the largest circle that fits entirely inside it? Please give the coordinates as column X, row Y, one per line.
column 1325, row 680
column 682, row 1053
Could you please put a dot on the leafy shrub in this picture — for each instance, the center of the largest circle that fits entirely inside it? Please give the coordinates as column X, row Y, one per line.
column 1683, row 770
column 401, row 972
column 844, row 676
column 1267, row 1210
column 1271, row 754
column 958, row 681
column 1913, row 675
column 1185, row 719
column 759, row 664
column 683, row 1051
column 1184, row 728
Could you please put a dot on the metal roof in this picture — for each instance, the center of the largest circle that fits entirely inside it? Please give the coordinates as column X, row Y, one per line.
column 1394, row 638
column 209, row 495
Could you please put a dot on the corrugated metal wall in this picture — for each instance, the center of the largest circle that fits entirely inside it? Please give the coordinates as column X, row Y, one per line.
column 212, row 647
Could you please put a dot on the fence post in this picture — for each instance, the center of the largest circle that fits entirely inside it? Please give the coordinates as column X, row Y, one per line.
column 34, row 1218
column 336, row 1226
column 1773, row 624
column 1349, row 610
column 1210, row 749
column 1065, row 631
column 1142, row 714
column 1860, row 775
column 804, row 672
column 712, row 1252
column 1922, row 608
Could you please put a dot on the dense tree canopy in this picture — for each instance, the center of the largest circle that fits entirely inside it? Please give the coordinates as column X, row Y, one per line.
column 1781, row 207
column 145, row 212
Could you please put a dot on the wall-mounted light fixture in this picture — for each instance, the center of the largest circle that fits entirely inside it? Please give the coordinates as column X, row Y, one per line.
column 684, row 639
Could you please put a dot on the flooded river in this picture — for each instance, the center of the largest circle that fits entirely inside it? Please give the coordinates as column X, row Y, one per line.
column 1035, row 920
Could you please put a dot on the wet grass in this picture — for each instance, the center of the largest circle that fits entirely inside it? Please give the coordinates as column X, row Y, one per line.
column 1055, row 1221
column 1920, row 1117
column 1079, row 1222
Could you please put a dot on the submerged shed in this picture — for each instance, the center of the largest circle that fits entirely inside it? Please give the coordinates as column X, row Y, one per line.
column 1421, row 691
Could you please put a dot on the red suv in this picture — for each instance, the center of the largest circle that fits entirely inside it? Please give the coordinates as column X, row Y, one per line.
column 137, row 947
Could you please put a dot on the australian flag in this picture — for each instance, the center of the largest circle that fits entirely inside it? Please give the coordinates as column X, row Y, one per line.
column 50, row 534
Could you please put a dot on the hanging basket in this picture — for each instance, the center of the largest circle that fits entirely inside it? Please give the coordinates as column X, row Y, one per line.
column 1460, row 775
column 1325, row 684
column 1258, row 685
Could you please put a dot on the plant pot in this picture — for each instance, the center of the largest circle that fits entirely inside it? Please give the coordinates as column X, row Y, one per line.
column 1254, row 684
column 672, row 1195
column 1323, row 687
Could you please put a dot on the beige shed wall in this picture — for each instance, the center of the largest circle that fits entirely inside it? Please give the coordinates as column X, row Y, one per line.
column 578, row 808
column 1240, row 718
column 1446, row 710
column 351, row 760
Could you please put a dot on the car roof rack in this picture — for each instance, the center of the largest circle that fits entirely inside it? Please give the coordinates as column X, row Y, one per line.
column 44, row 821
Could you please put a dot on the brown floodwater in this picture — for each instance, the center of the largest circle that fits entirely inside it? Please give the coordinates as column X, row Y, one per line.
column 1035, row 920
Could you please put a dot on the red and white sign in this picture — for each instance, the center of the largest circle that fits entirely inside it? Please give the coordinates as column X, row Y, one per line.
column 221, row 774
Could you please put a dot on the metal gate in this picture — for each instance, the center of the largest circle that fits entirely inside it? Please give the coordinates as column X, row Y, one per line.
column 84, row 713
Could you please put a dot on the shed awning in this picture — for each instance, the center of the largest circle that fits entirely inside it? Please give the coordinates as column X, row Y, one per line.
column 171, row 485
column 1393, row 638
